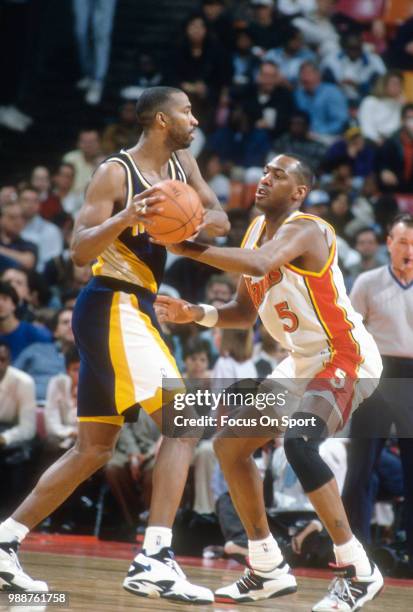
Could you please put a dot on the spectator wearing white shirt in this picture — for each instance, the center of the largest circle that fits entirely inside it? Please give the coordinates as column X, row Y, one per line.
column 317, row 29
column 236, row 361
column 85, row 158
column 380, row 114
column 17, row 427
column 353, row 68
column 45, row 235
column 61, row 406
column 291, row 55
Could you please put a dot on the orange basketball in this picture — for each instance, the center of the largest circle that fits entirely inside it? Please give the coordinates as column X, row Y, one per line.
column 182, row 213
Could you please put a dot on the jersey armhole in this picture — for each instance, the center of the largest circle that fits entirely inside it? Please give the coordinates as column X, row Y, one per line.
column 128, row 176
column 332, row 251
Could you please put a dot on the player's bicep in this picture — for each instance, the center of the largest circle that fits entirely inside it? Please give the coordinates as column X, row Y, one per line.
column 194, row 177
column 105, row 188
column 292, row 241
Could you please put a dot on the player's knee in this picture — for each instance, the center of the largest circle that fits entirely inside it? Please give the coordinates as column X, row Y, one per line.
column 94, row 456
column 301, row 446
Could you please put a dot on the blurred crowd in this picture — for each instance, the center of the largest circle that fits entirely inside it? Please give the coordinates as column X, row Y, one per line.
column 264, row 77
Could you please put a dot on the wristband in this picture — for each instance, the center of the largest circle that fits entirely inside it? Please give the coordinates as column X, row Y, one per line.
column 210, row 317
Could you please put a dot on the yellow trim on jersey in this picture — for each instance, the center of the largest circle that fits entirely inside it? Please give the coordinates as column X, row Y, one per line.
column 138, row 172
column 249, row 230
column 97, row 267
column 300, row 215
column 124, row 387
column 139, row 268
column 328, row 263
column 110, row 420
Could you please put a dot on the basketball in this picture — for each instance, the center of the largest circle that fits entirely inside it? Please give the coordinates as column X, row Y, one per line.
column 182, row 214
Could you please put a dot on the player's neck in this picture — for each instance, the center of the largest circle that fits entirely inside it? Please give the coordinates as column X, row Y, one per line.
column 150, row 154
column 273, row 222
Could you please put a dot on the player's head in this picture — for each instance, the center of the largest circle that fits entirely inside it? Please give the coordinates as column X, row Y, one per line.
column 400, row 243
column 284, row 185
column 168, row 111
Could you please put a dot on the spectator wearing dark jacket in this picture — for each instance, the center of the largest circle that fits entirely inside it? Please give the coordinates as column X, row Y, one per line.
column 395, row 157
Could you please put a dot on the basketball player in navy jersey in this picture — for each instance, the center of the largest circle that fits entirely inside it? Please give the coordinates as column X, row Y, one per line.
column 123, row 356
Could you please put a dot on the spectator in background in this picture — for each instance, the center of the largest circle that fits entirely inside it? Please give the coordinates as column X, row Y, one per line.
column 17, row 426
column 14, row 250
column 318, row 29
column 216, row 179
column 367, row 244
column 341, row 215
column 236, row 356
column 317, row 203
column 291, row 55
column 201, row 67
column 265, row 26
column 63, row 182
column 93, row 22
column 355, row 70
column 353, row 150
column 395, row 157
column 45, row 235
column 8, row 195
column 298, row 141
column 239, row 143
column 50, row 205
column 19, row 280
column 219, row 290
column 42, row 361
column 400, row 53
column 245, row 63
column 61, row 406
column 296, row 7
column 85, row 158
column 379, row 113
column 325, row 104
column 269, row 103
column 239, row 219
column 218, row 21
column 267, row 353
column 17, row 334
column 121, row 135
column 148, row 75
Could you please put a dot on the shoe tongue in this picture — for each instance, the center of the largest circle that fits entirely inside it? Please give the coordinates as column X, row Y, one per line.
column 343, row 571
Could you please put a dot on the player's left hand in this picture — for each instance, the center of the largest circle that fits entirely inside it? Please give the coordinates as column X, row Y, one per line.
column 215, row 223
column 174, row 310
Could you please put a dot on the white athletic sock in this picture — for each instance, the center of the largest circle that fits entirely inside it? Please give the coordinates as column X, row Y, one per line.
column 264, row 555
column 353, row 553
column 156, row 538
column 12, row 530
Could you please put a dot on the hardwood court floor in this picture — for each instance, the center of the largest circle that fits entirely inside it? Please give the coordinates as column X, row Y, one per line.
column 94, row 585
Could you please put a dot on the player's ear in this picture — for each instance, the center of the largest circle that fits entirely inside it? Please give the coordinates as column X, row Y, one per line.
column 301, row 193
column 161, row 119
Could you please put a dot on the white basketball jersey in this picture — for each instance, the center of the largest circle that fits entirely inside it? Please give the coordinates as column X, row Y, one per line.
column 309, row 313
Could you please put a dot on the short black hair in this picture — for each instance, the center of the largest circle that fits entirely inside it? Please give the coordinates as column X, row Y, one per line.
column 152, row 101
column 196, row 345
column 55, row 319
column 363, row 230
column 405, row 218
column 303, row 171
column 7, row 289
column 71, row 355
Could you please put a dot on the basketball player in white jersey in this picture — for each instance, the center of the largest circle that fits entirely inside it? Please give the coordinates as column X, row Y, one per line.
column 290, row 277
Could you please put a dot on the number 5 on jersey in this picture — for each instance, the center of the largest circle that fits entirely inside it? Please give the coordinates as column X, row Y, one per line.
column 287, row 315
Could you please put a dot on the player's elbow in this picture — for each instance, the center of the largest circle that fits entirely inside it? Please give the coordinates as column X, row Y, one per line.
column 77, row 257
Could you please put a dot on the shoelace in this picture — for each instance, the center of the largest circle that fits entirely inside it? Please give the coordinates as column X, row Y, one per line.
column 339, row 589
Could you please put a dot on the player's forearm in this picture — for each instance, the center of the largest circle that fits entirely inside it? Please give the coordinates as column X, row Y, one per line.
column 230, row 316
column 230, row 259
column 89, row 243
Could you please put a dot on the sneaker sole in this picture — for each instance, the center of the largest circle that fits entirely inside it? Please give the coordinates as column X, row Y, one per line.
column 175, row 598
column 366, row 600
column 286, row 591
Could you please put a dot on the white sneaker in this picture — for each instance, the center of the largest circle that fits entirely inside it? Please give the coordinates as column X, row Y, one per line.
column 159, row 576
column 94, row 93
column 12, row 576
column 348, row 592
column 255, row 585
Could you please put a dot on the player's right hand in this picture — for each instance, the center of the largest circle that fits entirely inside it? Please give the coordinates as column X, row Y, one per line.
column 143, row 206
column 174, row 310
